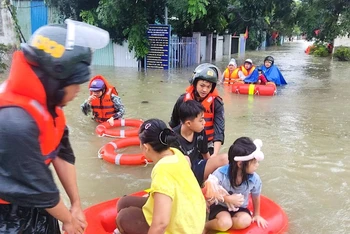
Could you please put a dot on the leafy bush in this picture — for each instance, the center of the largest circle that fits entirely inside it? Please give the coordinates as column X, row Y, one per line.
column 342, row 53
column 321, row 51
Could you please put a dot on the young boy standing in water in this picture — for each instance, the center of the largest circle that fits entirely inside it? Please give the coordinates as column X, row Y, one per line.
column 193, row 141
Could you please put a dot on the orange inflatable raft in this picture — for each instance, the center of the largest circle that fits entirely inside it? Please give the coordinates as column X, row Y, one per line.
column 105, row 129
column 254, row 89
column 101, row 218
column 109, row 153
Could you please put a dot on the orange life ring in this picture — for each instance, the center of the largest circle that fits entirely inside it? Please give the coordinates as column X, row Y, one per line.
column 109, row 154
column 105, row 129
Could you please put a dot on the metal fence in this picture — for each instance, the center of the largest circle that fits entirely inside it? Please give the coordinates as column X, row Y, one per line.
column 183, row 52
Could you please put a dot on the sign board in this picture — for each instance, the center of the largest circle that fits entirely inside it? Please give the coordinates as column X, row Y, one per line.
column 159, row 38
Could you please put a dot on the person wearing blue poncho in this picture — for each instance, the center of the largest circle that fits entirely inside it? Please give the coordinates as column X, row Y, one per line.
column 270, row 71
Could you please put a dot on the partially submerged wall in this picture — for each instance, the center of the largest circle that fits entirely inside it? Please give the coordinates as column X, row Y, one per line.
column 342, row 41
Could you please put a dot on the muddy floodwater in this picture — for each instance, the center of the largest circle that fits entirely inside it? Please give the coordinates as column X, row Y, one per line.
column 305, row 130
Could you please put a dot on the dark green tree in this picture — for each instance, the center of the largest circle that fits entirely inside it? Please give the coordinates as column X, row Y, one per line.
column 324, row 19
column 72, row 8
column 129, row 19
column 209, row 18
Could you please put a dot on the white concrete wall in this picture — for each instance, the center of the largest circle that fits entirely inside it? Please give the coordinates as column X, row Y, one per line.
column 209, row 48
column 7, row 32
column 122, row 56
column 227, row 44
column 219, row 47
column 197, row 36
column 203, row 48
column 342, row 41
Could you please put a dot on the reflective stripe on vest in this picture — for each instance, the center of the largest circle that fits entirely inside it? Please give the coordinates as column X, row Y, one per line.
column 103, row 108
column 208, row 104
column 230, row 78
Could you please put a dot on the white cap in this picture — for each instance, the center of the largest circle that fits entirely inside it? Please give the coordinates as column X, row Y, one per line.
column 248, row 61
column 233, row 62
column 257, row 154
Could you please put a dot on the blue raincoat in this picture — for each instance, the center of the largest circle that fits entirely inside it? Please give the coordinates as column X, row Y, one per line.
column 272, row 74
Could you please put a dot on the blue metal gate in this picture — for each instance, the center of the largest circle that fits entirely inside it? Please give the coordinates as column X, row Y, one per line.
column 183, row 52
column 38, row 14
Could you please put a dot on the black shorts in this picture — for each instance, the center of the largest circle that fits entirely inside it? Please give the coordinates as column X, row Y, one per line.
column 216, row 209
column 198, row 167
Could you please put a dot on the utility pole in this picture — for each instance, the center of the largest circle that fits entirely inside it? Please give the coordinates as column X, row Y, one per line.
column 166, row 15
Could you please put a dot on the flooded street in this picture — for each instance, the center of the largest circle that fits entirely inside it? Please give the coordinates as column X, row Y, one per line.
column 305, row 130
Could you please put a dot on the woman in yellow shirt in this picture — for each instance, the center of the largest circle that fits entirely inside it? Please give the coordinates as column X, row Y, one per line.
column 175, row 204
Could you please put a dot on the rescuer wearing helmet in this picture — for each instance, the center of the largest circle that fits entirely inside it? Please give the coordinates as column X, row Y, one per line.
column 103, row 102
column 45, row 75
column 269, row 61
column 202, row 89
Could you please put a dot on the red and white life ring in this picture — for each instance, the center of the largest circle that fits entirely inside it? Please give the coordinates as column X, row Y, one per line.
column 105, row 129
column 109, row 154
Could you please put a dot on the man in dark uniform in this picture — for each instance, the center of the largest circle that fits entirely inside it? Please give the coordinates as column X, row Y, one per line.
column 202, row 89
column 45, row 75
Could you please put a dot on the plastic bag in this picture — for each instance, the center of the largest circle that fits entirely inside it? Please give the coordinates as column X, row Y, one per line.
column 214, row 192
column 26, row 220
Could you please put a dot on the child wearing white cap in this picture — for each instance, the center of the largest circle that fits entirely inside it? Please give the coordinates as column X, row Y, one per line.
column 246, row 69
column 238, row 178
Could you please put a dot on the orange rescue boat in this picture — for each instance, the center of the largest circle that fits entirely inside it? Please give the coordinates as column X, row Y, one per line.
column 101, row 218
column 254, row 89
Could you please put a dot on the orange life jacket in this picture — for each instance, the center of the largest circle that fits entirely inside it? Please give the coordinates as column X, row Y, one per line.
column 208, row 104
column 245, row 72
column 24, row 89
column 230, row 78
column 103, row 108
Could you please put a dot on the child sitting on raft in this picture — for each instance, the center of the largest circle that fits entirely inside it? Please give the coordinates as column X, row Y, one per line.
column 238, row 178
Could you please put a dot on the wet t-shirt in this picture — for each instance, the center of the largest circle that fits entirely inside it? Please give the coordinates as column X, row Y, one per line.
column 194, row 149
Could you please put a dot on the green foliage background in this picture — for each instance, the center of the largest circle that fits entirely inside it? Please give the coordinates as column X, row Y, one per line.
column 129, row 19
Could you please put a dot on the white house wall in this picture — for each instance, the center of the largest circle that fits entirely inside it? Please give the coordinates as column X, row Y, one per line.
column 122, row 56
column 7, row 32
column 219, row 47
column 342, row 41
column 203, row 48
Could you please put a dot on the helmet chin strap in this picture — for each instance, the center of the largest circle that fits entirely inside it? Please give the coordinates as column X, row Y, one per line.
column 54, row 93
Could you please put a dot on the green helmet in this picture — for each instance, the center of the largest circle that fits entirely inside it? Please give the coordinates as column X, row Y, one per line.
column 270, row 59
column 46, row 50
column 207, row 72
column 60, row 55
